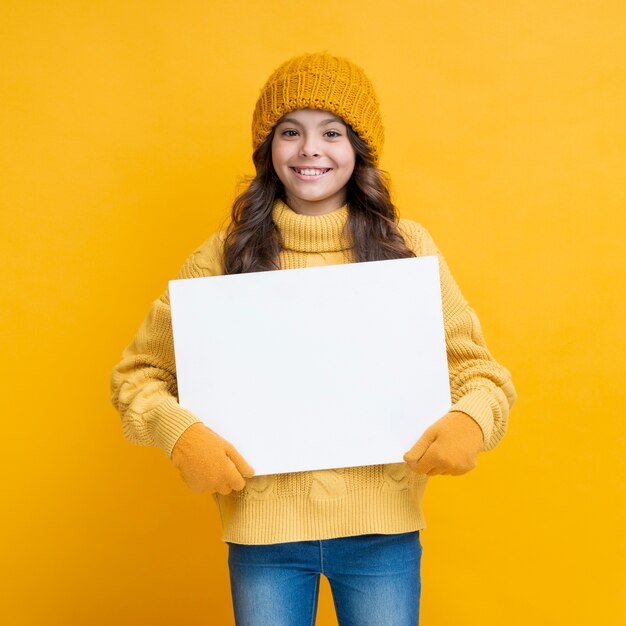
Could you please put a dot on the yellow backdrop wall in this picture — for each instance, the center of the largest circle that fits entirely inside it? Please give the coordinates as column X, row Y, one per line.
column 125, row 131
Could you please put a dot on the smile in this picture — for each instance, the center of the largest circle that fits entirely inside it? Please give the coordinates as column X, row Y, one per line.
column 307, row 173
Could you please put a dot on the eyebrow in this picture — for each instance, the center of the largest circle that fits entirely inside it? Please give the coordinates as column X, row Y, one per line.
column 329, row 120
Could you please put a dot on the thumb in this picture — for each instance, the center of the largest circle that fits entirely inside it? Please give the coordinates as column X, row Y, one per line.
column 419, row 449
column 244, row 468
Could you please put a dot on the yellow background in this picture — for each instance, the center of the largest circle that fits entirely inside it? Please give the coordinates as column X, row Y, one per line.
column 125, row 129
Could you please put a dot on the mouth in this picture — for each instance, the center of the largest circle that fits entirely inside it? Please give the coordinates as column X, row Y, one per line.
column 309, row 173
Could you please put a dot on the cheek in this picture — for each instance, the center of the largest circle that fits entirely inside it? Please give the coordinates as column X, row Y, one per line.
column 349, row 163
column 348, row 158
column 276, row 162
column 280, row 154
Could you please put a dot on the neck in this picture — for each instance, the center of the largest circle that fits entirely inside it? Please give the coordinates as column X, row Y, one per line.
column 303, row 207
column 312, row 233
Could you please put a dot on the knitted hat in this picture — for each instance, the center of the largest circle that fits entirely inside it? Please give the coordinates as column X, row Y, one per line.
column 320, row 81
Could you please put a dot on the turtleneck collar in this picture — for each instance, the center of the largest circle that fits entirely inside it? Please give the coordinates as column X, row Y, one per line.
column 311, row 233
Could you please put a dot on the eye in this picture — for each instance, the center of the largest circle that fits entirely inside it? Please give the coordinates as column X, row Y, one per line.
column 333, row 133
column 287, row 133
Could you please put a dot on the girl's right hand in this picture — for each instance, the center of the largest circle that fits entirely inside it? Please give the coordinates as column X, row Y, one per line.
column 207, row 462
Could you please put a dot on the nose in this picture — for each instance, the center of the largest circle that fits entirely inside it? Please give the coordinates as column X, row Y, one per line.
column 309, row 147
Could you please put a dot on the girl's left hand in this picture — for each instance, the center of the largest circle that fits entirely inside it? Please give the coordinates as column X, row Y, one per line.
column 450, row 446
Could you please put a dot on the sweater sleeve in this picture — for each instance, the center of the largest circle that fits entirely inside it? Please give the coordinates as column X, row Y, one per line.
column 144, row 389
column 479, row 385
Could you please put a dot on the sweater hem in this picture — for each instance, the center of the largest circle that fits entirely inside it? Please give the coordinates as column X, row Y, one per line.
column 281, row 520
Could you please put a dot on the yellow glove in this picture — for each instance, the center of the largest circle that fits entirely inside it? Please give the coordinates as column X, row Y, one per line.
column 450, row 446
column 207, row 462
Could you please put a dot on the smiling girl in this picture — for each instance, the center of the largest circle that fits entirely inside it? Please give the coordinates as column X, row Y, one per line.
column 318, row 198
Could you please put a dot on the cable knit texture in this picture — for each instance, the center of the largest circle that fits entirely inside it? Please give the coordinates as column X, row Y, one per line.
column 326, row 503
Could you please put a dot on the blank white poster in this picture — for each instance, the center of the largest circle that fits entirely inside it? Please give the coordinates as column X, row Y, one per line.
column 315, row 368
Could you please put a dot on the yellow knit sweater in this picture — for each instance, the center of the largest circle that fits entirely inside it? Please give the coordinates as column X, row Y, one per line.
column 326, row 503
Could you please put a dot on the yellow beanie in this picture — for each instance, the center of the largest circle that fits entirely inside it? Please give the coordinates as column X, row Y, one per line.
column 320, row 81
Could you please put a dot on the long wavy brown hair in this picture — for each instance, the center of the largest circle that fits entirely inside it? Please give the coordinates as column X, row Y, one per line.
column 253, row 241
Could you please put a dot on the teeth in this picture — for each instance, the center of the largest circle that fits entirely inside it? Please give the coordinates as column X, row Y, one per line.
column 310, row 172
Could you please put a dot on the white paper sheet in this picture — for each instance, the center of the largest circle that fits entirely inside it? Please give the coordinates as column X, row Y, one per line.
column 315, row 368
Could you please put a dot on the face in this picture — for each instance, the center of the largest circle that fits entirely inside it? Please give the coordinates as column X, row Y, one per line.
column 314, row 160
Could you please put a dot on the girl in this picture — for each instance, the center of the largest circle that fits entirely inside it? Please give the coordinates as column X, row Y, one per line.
column 318, row 198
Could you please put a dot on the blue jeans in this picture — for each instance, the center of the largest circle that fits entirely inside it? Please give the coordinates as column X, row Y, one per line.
column 375, row 580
